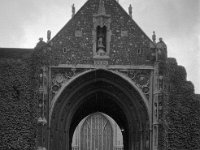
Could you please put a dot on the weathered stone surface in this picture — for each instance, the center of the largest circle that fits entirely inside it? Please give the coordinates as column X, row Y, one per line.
column 123, row 50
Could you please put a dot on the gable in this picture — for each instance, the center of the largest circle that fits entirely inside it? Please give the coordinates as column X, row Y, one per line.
column 128, row 46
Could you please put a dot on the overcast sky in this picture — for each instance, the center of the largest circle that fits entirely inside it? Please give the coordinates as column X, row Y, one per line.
column 22, row 22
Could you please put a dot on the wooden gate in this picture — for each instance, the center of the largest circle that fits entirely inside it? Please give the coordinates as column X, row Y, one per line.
column 96, row 133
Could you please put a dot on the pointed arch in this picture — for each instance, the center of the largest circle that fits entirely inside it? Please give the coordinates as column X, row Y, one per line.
column 104, row 91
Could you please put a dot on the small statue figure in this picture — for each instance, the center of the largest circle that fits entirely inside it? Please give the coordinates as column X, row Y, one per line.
column 100, row 43
column 100, row 49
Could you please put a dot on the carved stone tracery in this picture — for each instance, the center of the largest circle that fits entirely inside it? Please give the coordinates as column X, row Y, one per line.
column 59, row 77
column 140, row 77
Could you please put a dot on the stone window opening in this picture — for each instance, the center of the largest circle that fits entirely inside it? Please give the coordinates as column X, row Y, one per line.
column 139, row 51
column 64, row 50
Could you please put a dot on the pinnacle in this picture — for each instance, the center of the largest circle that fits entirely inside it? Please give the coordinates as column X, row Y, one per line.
column 101, row 10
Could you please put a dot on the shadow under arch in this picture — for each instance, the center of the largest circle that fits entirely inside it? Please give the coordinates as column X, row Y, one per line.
column 106, row 92
column 122, row 76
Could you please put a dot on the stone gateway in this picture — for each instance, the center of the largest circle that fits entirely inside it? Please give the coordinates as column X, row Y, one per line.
column 100, row 65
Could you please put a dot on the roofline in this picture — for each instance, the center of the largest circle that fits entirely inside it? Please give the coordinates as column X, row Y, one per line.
column 68, row 21
column 120, row 8
column 134, row 22
column 15, row 48
column 15, row 53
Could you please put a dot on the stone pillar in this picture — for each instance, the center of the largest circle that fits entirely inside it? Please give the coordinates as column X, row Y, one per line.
column 159, row 94
column 155, row 106
column 42, row 142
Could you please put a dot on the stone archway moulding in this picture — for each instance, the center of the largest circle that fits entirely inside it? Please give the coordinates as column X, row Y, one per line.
column 121, row 75
column 77, row 82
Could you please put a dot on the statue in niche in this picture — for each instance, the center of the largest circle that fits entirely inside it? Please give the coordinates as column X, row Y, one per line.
column 101, row 41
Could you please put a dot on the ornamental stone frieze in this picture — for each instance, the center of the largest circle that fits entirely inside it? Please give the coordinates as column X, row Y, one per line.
column 61, row 76
column 141, row 78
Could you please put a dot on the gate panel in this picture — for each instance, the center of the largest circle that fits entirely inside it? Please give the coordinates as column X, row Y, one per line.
column 96, row 133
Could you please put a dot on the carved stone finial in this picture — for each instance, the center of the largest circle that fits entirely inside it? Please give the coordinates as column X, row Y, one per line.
column 101, row 10
column 161, row 44
column 154, row 37
column 73, row 10
column 48, row 35
column 40, row 39
column 42, row 120
column 130, row 10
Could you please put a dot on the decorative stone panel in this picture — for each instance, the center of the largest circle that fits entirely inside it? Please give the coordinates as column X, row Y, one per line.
column 124, row 33
column 140, row 77
column 60, row 76
column 78, row 33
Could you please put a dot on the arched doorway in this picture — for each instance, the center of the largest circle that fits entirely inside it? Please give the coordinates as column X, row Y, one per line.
column 97, row 131
column 100, row 91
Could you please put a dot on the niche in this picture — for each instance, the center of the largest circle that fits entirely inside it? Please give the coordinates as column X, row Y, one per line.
column 101, row 40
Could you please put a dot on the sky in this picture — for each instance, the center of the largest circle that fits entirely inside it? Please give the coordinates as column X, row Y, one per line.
column 23, row 22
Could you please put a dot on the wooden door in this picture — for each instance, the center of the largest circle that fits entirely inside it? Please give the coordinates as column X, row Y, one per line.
column 96, row 133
